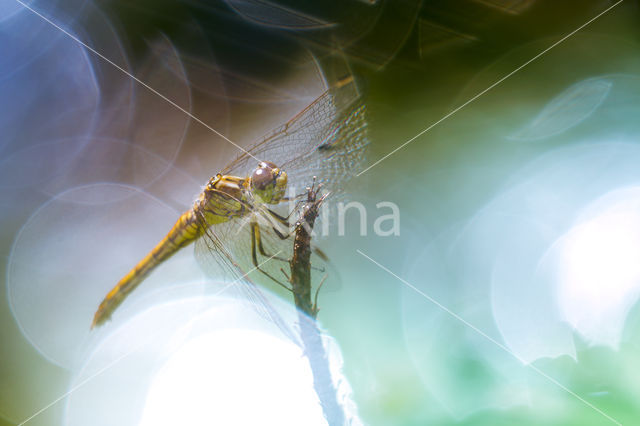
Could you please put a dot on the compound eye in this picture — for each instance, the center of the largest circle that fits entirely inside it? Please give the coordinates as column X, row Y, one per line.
column 262, row 177
column 267, row 164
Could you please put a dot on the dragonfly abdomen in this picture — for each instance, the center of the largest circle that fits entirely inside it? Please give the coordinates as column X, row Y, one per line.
column 186, row 230
column 220, row 202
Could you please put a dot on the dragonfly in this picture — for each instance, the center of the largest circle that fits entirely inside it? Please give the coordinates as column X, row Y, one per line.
column 234, row 222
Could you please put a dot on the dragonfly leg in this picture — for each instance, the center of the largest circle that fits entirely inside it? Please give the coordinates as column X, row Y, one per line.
column 300, row 198
column 282, row 236
column 296, row 207
column 295, row 197
column 285, row 274
column 315, row 250
column 304, row 194
column 283, row 220
column 256, row 241
column 255, row 234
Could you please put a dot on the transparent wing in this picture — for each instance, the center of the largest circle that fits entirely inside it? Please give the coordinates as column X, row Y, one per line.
column 326, row 140
column 274, row 258
column 216, row 260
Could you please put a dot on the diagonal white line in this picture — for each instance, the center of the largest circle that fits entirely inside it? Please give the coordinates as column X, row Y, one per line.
column 490, row 87
column 142, row 83
column 123, row 356
column 491, row 339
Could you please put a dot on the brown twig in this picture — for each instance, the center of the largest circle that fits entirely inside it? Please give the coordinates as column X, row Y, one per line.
column 310, row 334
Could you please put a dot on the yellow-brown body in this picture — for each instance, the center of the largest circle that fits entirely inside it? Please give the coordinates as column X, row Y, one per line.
column 223, row 198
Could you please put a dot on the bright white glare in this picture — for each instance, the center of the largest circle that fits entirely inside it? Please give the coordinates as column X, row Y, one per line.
column 234, row 377
column 599, row 267
column 189, row 358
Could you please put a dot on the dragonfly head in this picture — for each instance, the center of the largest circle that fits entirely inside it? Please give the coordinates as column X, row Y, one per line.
column 268, row 182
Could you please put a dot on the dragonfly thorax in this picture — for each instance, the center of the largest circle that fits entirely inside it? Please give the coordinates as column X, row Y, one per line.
column 268, row 183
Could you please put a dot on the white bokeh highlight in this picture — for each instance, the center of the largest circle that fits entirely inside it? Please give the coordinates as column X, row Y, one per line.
column 197, row 354
column 598, row 269
column 233, row 377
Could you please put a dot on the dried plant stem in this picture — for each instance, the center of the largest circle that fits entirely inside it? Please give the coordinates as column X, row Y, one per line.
column 310, row 334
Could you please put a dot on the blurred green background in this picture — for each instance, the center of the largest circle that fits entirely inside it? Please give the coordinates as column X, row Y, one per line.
column 491, row 199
